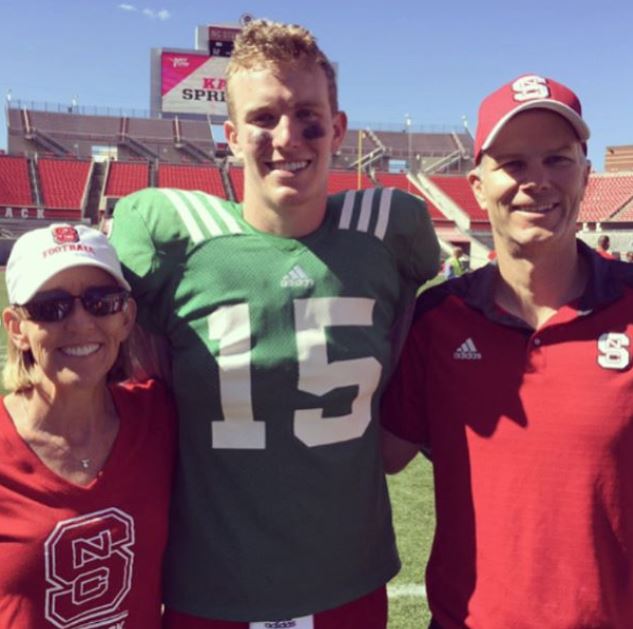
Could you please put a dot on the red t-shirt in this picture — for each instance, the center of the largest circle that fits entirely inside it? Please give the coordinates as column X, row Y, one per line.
column 88, row 556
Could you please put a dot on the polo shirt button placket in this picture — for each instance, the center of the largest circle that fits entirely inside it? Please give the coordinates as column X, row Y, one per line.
column 535, row 358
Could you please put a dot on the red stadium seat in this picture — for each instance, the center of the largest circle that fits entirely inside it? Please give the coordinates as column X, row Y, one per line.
column 341, row 180
column 185, row 177
column 401, row 181
column 236, row 175
column 458, row 189
column 64, row 182
column 126, row 177
column 15, row 185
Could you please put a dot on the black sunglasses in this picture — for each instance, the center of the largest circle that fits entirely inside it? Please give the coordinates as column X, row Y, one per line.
column 99, row 301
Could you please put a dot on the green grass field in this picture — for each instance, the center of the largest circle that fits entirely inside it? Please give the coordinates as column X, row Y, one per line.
column 414, row 517
column 412, row 498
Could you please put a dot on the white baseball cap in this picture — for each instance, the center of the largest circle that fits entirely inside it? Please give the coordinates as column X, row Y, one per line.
column 41, row 253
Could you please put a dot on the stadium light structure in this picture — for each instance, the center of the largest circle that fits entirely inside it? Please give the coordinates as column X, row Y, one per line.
column 407, row 124
column 361, row 135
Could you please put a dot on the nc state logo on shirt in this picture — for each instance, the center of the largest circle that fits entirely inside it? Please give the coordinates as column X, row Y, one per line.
column 530, row 87
column 613, row 348
column 65, row 233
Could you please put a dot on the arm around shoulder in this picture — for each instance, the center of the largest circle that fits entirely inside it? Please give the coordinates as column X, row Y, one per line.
column 396, row 452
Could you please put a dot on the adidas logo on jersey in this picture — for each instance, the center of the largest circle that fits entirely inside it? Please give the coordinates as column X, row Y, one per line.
column 467, row 351
column 296, row 278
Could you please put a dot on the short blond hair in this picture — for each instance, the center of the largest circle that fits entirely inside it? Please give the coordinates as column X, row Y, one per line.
column 265, row 44
column 19, row 372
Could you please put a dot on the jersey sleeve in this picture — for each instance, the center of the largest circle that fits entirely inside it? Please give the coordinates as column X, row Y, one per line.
column 151, row 240
column 402, row 405
column 411, row 237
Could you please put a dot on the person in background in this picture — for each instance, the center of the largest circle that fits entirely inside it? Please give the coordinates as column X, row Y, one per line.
column 532, row 451
column 454, row 265
column 603, row 246
column 85, row 460
column 284, row 314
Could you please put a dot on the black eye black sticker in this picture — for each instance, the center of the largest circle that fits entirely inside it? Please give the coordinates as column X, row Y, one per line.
column 313, row 131
column 260, row 137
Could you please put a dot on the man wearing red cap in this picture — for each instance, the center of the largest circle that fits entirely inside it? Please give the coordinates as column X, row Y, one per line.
column 532, row 455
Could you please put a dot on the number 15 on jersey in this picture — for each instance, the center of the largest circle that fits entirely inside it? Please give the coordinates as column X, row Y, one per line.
column 230, row 327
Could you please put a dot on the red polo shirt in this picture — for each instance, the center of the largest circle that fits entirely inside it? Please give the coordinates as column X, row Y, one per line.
column 531, row 437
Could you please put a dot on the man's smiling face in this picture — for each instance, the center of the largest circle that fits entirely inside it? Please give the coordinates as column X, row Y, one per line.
column 532, row 180
column 285, row 132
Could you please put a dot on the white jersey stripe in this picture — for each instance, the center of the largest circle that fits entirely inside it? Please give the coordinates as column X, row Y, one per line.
column 185, row 214
column 203, row 213
column 365, row 209
column 346, row 213
column 230, row 222
column 384, row 211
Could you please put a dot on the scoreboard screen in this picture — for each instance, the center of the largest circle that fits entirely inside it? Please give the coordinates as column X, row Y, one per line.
column 221, row 40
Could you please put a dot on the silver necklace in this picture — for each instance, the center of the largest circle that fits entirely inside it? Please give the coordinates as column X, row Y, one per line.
column 83, row 462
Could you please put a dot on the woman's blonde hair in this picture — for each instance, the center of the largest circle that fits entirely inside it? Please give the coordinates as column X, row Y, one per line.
column 21, row 373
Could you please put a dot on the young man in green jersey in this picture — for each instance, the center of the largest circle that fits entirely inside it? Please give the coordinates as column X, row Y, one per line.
column 283, row 316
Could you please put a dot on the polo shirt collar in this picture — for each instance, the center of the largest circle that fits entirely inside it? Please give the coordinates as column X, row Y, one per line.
column 606, row 283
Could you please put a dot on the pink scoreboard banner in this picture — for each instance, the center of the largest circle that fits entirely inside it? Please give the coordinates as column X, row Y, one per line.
column 193, row 82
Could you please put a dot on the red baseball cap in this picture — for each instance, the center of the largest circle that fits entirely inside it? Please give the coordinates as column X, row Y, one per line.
column 529, row 91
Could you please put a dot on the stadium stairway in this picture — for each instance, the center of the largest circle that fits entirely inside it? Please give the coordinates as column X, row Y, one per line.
column 479, row 247
column 41, row 139
column 93, row 194
column 188, row 148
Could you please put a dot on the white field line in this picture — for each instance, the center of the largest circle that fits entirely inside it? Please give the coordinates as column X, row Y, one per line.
column 401, row 590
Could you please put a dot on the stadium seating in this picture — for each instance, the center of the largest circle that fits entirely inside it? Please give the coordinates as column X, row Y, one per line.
column 205, row 178
column 15, row 186
column 401, row 143
column 63, row 182
column 396, row 180
column 126, row 177
column 147, row 129
column 236, row 176
column 606, row 195
column 340, row 180
column 400, row 180
column 64, row 124
column 458, row 189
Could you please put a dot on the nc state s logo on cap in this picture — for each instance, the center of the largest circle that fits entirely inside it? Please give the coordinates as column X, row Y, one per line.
column 65, row 233
column 530, row 87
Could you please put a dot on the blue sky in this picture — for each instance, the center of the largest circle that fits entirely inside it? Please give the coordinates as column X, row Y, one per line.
column 432, row 60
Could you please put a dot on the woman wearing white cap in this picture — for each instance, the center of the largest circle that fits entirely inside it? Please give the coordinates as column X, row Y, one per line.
column 85, row 462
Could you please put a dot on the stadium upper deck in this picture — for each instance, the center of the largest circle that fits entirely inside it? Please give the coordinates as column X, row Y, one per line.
column 68, row 165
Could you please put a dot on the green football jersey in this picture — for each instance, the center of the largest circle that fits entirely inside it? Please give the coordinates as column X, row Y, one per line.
column 280, row 350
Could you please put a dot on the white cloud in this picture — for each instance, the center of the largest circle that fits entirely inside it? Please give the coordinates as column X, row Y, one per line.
column 162, row 14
